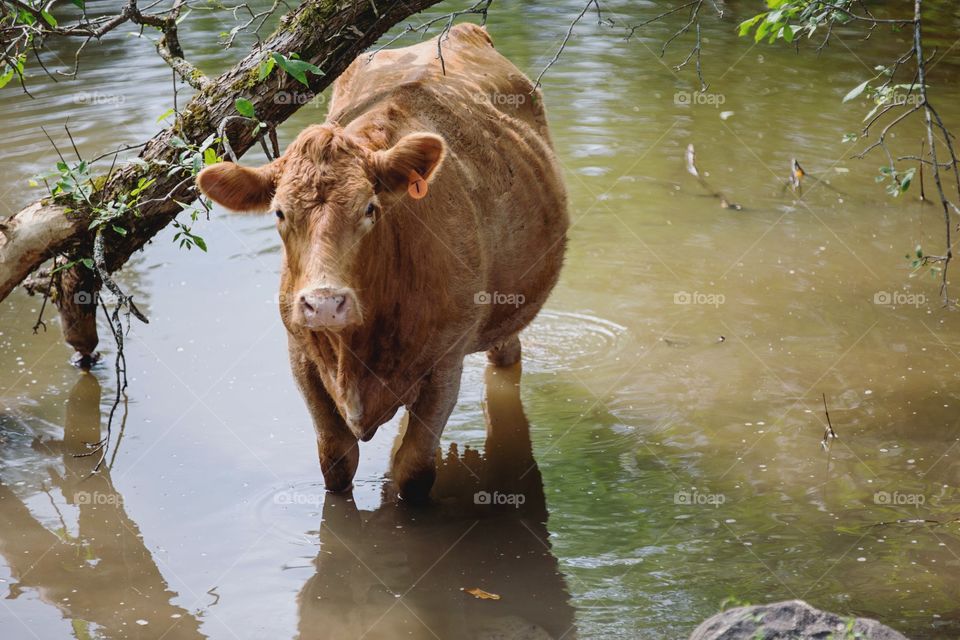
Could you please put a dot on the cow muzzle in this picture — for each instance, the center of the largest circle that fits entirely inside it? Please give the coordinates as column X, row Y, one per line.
column 327, row 308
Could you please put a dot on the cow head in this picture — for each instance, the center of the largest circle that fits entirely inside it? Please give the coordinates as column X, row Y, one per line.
column 328, row 192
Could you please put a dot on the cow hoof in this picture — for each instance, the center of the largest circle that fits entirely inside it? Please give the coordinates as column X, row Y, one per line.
column 85, row 361
column 416, row 488
column 505, row 354
column 338, row 482
column 338, row 474
column 338, row 486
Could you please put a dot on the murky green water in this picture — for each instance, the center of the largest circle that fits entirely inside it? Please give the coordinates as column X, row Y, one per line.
column 670, row 395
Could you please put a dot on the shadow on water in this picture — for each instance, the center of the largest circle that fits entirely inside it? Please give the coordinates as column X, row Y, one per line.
column 102, row 578
column 399, row 571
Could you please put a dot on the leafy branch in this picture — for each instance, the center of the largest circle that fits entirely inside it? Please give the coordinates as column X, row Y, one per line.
column 790, row 20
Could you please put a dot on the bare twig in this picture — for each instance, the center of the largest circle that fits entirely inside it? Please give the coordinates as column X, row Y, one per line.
column 828, row 433
column 481, row 8
column 566, row 39
column 22, row 36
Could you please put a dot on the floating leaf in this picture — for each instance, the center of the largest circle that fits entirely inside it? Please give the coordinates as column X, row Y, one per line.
column 480, row 594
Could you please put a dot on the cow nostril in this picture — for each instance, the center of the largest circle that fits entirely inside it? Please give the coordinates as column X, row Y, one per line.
column 324, row 307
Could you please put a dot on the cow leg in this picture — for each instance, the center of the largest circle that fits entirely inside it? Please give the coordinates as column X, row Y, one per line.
column 506, row 353
column 337, row 446
column 414, row 465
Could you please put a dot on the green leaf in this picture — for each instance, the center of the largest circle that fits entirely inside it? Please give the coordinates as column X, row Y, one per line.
column 166, row 114
column 748, row 24
column 49, row 18
column 244, row 107
column 79, row 4
column 906, row 179
column 200, row 242
column 142, row 185
column 15, row 67
column 297, row 68
column 210, row 157
column 266, row 68
column 87, row 262
column 856, row 91
column 788, row 33
column 119, row 230
column 762, row 31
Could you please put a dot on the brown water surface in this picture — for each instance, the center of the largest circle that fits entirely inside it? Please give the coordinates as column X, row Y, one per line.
column 670, row 395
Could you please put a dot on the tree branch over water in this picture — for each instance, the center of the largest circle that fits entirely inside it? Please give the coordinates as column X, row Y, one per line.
column 326, row 34
column 792, row 19
column 25, row 25
column 630, row 30
column 94, row 223
column 901, row 100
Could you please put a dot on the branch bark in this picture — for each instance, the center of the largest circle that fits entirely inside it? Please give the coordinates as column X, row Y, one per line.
column 327, row 33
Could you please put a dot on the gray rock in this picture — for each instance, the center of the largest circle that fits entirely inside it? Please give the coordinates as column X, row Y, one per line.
column 790, row 620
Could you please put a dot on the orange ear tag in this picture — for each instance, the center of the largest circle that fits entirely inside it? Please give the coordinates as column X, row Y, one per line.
column 417, row 187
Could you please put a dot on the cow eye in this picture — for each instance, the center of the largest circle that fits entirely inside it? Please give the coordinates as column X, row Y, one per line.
column 279, row 214
column 371, row 210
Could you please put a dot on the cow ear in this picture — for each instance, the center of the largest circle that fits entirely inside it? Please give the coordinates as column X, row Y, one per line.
column 239, row 188
column 422, row 153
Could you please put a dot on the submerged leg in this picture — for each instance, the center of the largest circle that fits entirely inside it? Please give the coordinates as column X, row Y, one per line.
column 337, row 446
column 414, row 465
column 505, row 353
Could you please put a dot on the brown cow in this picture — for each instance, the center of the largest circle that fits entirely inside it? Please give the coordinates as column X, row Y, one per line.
column 425, row 220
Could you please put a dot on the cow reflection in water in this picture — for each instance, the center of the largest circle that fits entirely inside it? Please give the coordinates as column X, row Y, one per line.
column 104, row 580
column 402, row 571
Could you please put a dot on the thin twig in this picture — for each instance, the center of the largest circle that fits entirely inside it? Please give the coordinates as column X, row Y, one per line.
column 566, row 39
